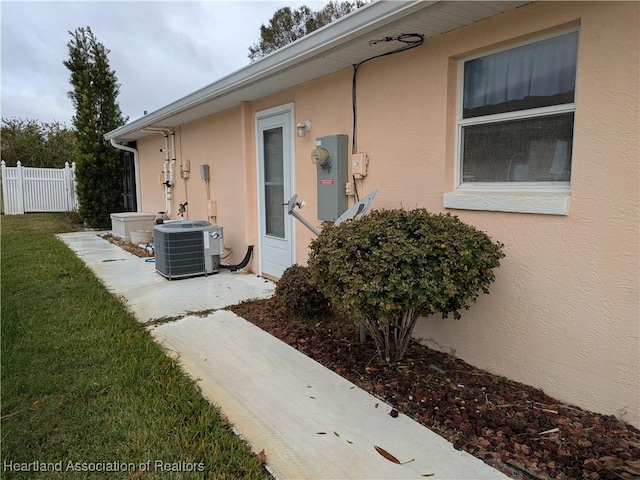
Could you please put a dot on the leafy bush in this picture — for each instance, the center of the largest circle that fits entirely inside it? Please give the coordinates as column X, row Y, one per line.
column 99, row 186
column 298, row 295
column 392, row 266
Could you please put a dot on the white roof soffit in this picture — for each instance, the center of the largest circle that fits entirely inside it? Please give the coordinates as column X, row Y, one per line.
column 327, row 50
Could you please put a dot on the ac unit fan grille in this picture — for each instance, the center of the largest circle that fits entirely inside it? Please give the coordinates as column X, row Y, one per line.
column 179, row 254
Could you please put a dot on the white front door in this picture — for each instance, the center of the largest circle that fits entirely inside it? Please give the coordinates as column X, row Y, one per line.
column 275, row 172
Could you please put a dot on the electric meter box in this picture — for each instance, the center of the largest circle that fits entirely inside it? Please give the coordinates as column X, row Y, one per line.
column 332, row 175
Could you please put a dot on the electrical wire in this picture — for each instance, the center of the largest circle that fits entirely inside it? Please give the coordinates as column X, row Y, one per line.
column 410, row 40
column 222, row 257
column 355, row 188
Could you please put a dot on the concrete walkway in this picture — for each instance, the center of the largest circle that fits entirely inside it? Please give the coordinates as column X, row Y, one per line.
column 311, row 423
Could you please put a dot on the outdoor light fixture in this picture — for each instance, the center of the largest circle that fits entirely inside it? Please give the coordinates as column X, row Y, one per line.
column 303, row 128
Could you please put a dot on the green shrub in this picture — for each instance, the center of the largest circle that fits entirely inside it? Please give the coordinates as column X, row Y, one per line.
column 298, row 295
column 99, row 186
column 392, row 266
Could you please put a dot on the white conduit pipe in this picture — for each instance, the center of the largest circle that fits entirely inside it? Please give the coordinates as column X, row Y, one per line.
column 167, row 169
column 173, row 157
column 167, row 182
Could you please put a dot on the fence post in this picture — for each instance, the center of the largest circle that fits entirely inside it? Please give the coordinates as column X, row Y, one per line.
column 4, row 185
column 68, row 186
column 74, row 193
column 20, row 188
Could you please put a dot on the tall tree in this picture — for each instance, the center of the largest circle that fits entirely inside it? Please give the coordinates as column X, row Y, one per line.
column 94, row 96
column 36, row 144
column 287, row 25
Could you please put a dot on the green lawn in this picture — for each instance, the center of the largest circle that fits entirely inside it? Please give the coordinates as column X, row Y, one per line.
column 84, row 387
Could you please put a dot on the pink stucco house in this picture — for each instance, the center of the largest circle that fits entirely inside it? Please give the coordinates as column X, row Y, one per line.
column 522, row 118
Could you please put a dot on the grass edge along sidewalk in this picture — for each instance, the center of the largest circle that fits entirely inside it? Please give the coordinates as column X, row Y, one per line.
column 86, row 392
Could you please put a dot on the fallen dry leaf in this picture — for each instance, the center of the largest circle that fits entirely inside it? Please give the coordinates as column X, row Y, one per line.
column 390, row 457
column 386, row 454
column 262, row 457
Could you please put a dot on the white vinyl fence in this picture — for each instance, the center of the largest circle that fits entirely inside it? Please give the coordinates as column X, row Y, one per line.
column 27, row 189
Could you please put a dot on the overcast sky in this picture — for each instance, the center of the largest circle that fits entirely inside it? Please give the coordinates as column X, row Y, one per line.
column 160, row 50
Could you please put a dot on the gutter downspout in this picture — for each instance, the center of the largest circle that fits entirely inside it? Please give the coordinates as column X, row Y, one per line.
column 167, row 168
column 136, row 166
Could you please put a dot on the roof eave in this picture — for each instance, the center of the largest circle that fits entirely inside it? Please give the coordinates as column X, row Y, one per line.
column 330, row 49
column 342, row 30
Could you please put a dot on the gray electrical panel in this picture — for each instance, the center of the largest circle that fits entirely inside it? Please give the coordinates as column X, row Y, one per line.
column 330, row 157
column 204, row 172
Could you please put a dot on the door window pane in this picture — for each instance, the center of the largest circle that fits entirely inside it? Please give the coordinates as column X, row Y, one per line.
column 274, row 210
column 274, row 181
column 273, row 155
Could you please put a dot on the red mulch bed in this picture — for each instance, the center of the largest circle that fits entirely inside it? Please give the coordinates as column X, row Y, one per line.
column 511, row 426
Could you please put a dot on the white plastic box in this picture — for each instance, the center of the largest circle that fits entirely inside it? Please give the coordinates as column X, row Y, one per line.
column 122, row 224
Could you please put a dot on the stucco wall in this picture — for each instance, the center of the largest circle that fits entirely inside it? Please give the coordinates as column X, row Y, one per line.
column 151, row 163
column 564, row 312
column 218, row 141
column 327, row 104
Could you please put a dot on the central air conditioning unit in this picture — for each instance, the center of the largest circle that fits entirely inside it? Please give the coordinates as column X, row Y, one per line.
column 187, row 248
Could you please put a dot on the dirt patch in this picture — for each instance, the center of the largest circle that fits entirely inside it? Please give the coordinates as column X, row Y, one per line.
column 514, row 427
column 129, row 247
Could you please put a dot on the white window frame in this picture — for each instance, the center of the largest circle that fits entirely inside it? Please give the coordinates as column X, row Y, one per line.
column 524, row 197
